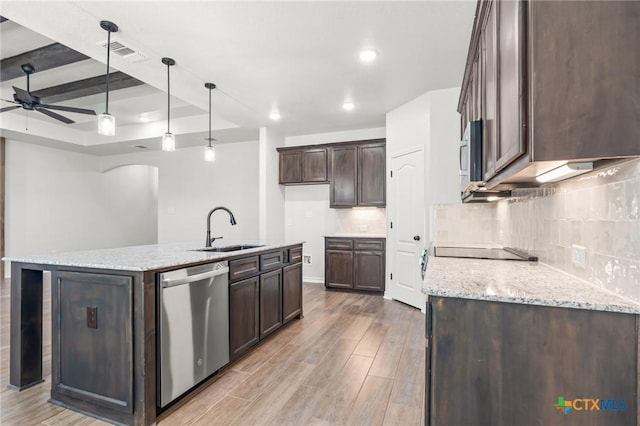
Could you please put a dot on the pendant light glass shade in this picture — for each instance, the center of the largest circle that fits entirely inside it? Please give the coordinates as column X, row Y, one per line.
column 106, row 124
column 106, row 121
column 168, row 142
column 168, row 139
column 209, row 150
column 209, row 153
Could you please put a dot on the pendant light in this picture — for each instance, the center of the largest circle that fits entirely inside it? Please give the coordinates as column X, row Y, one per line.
column 209, row 150
column 168, row 139
column 106, row 121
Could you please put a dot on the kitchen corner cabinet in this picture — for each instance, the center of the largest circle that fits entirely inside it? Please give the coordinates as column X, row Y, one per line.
column 355, row 263
column 358, row 175
column 509, row 363
column 552, row 82
column 303, row 166
column 265, row 292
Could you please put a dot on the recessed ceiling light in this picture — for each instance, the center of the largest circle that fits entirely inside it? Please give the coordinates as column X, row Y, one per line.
column 144, row 118
column 368, row 55
column 275, row 116
column 348, row 106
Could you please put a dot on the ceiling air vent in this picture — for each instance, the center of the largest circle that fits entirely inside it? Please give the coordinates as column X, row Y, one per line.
column 125, row 52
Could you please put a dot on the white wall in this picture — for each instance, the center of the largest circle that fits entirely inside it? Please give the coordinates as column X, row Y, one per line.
column 58, row 200
column 306, row 207
column 271, row 193
column 189, row 187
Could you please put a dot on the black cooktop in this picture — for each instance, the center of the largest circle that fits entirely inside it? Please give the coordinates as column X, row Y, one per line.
column 505, row 253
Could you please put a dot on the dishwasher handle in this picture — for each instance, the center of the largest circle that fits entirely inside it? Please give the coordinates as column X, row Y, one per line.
column 193, row 278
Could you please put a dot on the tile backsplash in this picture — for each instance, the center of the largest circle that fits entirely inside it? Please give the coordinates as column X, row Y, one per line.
column 365, row 220
column 597, row 214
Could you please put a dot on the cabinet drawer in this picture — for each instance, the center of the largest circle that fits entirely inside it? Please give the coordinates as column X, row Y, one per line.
column 243, row 268
column 295, row 255
column 339, row 244
column 271, row 260
column 375, row 245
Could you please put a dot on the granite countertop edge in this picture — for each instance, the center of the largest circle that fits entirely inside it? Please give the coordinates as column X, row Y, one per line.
column 148, row 257
column 519, row 282
column 354, row 235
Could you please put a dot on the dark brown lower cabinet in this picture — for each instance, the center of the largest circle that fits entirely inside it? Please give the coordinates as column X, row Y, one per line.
column 259, row 305
column 338, row 268
column 244, row 320
column 369, row 270
column 92, row 343
column 270, row 302
column 495, row 363
column 291, row 292
column 355, row 263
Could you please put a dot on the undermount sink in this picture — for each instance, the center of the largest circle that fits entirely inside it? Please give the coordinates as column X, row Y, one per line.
column 231, row 248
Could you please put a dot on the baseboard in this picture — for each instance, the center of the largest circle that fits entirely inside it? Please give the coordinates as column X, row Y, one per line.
column 314, row 280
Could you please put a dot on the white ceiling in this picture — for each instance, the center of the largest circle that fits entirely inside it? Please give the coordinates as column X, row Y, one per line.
column 300, row 58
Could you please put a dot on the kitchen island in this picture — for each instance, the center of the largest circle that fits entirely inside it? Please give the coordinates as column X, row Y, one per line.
column 105, row 317
column 512, row 342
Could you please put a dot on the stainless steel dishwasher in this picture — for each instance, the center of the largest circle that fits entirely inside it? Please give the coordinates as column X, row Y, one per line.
column 194, row 327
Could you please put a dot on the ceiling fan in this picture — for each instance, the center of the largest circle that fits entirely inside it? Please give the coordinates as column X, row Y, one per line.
column 24, row 99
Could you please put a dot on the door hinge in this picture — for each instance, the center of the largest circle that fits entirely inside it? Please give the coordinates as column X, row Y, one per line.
column 391, row 225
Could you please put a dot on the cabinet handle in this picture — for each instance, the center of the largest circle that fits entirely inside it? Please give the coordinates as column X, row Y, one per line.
column 416, row 238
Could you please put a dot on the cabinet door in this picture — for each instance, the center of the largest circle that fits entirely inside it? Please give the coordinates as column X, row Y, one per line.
column 344, row 169
column 92, row 340
column 371, row 175
column 290, row 167
column 291, row 291
column 338, row 269
column 489, row 52
column 314, row 165
column 511, row 142
column 270, row 302
column 243, row 315
column 369, row 270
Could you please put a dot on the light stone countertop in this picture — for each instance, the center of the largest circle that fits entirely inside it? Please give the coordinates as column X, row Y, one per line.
column 522, row 282
column 148, row 257
column 355, row 235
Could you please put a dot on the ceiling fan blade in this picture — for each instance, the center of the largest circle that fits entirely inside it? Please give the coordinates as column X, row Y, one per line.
column 24, row 95
column 69, row 109
column 9, row 108
column 8, row 100
column 54, row 115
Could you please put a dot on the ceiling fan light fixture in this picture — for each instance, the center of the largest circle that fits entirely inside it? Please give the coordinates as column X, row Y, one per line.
column 168, row 139
column 107, row 122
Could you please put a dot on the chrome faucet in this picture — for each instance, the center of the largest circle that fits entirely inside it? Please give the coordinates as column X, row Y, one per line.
column 209, row 239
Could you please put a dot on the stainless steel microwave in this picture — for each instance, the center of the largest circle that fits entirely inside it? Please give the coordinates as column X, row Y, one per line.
column 471, row 157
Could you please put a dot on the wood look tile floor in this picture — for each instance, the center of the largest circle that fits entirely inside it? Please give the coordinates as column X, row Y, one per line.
column 354, row 359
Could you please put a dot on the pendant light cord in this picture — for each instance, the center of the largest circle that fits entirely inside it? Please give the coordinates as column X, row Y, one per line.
column 108, row 56
column 168, row 99
column 209, row 116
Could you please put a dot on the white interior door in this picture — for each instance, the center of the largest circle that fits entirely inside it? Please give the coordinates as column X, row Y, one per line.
column 407, row 234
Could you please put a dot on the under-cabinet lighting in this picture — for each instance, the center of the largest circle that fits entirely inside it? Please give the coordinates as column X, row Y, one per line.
column 564, row 172
column 493, row 198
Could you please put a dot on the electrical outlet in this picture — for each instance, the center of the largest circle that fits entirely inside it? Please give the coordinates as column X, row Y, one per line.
column 578, row 256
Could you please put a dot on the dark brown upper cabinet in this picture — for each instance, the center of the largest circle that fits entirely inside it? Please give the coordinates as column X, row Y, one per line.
column 358, row 175
column 552, row 82
column 303, row 166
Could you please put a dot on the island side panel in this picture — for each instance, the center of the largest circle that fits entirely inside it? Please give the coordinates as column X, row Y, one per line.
column 145, row 347
column 509, row 363
column 25, row 353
